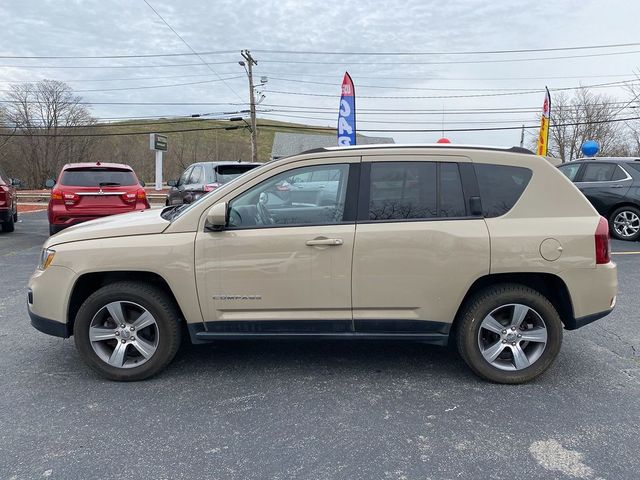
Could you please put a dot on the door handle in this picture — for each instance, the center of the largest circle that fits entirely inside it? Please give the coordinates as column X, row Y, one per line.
column 324, row 241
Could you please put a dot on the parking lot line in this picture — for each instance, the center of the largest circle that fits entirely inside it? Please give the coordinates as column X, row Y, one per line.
column 625, row 253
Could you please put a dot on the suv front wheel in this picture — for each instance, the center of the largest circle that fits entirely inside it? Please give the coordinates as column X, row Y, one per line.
column 509, row 333
column 127, row 331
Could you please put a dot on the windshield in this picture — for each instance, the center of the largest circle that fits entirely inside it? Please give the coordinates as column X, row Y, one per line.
column 98, row 177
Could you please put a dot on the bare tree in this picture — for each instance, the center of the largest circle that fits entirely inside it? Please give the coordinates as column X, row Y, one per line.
column 585, row 116
column 46, row 116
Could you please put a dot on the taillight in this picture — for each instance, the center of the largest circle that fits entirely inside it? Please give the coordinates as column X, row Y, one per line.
column 603, row 249
column 209, row 187
column 131, row 197
column 61, row 197
column 3, row 194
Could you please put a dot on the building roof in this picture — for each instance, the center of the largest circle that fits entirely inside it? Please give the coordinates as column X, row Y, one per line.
column 287, row 144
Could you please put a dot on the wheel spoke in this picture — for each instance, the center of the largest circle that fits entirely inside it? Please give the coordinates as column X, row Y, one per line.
column 492, row 352
column 144, row 320
column 519, row 312
column 520, row 359
column 115, row 310
column 99, row 334
column 537, row 335
column 491, row 324
column 117, row 357
column 145, row 348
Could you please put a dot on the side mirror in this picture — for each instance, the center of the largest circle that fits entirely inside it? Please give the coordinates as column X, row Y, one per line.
column 15, row 182
column 216, row 217
column 50, row 183
column 172, row 183
column 142, row 184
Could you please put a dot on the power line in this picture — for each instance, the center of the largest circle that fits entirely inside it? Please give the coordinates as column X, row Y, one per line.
column 89, row 57
column 309, row 52
column 328, row 129
column 146, row 87
column 450, row 62
column 472, row 52
column 189, row 47
column 166, row 65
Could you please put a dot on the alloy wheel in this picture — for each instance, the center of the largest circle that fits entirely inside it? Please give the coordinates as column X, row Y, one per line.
column 626, row 224
column 512, row 337
column 124, row 334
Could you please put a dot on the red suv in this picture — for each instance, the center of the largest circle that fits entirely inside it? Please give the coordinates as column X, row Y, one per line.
column 85, row 191
column 8, row 202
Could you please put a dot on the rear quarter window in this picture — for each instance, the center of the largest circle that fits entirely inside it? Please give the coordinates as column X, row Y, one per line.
column 95, row 177
column 500, row 187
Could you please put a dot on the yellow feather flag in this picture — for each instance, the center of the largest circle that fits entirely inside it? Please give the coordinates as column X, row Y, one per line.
column 543, row 137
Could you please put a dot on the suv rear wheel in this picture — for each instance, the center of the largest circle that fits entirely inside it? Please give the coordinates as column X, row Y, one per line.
column 509, row 333
column 9, row 225
column 625, row 223
column 127, row 331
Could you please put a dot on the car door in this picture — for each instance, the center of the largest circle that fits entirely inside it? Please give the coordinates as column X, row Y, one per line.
column 280, row 266
column 418, row 249
column 605, row 184
column 176, row 193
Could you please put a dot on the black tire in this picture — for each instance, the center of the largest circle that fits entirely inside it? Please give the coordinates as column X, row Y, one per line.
column 615, row 234
column 486, row 301
column 53, row 230
column 9, row 226
column 156, row 302
column 15, row 216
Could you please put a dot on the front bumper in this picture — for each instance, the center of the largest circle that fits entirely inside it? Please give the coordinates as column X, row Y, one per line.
column 50, row 327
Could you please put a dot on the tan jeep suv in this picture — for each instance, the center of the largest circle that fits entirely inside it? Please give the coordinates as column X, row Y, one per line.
column 493, row 250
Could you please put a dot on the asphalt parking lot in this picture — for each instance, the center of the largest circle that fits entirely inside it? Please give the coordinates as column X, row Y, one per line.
column 319, row 410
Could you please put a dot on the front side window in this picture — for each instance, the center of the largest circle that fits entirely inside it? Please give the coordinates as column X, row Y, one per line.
column 293, row 198
column 570, row 171
column 197, row 176
column 500, row 187
column 598, row 172
column 185, row 176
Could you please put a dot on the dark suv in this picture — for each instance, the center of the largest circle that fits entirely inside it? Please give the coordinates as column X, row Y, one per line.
column 612, row 185
column 8, row 202
column 204, row 177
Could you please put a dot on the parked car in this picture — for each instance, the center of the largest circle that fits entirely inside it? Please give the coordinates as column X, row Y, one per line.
column 8, row 202
column 490, row 249
column 204, row 177
column 85, row 191
column 612, row 185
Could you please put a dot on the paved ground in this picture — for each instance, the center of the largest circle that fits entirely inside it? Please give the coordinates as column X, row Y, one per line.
column 317, row 410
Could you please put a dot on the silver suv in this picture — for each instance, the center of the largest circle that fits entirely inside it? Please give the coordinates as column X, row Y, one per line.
column 493, row 250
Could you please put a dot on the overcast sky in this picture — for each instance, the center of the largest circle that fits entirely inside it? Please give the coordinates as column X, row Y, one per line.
column 114, row 27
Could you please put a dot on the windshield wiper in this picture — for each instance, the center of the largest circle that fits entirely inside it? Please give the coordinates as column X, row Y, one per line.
column 109, row 184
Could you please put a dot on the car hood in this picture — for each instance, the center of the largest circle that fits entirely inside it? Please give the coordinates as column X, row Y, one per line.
column 141, row 222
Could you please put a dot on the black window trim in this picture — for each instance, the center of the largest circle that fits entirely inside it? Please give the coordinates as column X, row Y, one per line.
column 350, row 201
column 469, row 189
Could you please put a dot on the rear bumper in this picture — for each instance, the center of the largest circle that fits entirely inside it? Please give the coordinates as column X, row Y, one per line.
column 593, row 293
column 67, row 218
column 50, row 327
column 575, row 323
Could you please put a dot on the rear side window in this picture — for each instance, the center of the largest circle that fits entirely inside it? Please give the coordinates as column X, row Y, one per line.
column 98, row 177
column 500, row 187
column 415, row 190
column 570, row 171
column 619, row 174
column 225, row 173
column 598, row 172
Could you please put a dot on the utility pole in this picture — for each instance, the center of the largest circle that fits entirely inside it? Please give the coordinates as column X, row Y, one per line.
column 248, row 64
column 522, row 137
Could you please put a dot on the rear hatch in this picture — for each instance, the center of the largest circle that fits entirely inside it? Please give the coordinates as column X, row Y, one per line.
column 99, row 188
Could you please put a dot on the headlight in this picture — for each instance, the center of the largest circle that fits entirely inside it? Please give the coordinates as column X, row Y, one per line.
column 46, row 257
